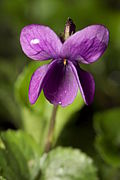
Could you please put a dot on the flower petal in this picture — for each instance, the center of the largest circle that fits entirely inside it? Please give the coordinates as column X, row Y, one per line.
column 87, row 45
column 36, row 83
column 60, row 85
column 40, row 42
column 85, row 82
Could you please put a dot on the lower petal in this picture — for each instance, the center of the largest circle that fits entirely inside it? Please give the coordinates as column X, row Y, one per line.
column 35, row 86
column 60, row 85
column 86, row 83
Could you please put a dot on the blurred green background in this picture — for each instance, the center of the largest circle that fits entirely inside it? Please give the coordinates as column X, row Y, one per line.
column 94, row 129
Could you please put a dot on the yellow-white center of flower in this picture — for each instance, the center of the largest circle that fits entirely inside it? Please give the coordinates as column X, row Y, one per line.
column 64, row 62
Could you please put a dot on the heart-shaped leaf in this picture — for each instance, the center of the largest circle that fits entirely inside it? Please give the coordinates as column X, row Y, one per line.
column 67, row 164
column 19, row 156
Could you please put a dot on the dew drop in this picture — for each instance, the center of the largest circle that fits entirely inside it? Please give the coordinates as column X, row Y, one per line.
column 60, row 102
column 34, row 41
column 65, row 92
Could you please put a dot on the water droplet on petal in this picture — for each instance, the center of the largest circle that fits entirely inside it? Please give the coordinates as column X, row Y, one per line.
column 65, row 92
column 60, row 102
column 34, row 41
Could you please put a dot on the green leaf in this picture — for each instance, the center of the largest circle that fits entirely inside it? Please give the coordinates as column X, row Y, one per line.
column 2, row 178
column 36, row 117
column 108, row 172
column 67, row 164
column 107, row 125
column 19, row 156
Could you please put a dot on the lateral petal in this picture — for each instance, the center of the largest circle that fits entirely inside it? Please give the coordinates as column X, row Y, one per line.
column 85, row 82
column 36, row 83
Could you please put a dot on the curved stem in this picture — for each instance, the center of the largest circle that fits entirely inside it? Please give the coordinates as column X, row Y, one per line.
column 51, row 130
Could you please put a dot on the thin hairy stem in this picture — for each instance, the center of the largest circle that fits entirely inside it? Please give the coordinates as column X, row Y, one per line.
column 49, row 141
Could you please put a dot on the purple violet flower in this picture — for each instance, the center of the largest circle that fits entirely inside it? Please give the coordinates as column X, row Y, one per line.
column 61, row 78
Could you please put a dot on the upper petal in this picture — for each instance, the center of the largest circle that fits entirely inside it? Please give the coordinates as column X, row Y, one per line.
column 60, row 85
column 40, row 42
column 87, row 45
column 36, row 83
column 85, row 82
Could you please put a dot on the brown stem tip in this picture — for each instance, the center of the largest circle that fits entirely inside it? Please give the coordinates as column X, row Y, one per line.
column 69, row 28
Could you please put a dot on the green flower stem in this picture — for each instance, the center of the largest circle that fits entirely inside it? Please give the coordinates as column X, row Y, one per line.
column 49, row 140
